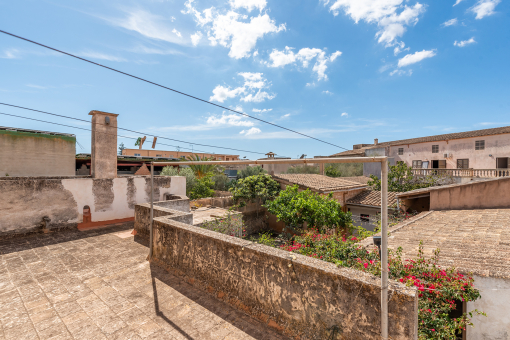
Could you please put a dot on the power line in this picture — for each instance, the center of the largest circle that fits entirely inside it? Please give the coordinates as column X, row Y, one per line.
column 137, row 132
column 168, row 88
column 80, row 128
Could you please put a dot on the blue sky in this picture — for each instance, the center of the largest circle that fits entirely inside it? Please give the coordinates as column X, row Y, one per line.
column 345, row 71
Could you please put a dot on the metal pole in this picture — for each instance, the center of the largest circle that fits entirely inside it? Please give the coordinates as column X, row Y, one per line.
column 152, row 210
column 384, row 250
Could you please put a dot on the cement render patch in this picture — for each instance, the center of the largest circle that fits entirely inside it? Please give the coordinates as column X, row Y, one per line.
column 97, row 284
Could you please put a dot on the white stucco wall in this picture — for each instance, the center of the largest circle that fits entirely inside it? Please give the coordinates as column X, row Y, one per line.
column 495, row 302
column 497, row 146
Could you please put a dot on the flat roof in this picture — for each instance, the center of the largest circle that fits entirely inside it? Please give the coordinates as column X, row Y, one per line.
column 444, row 187
column 5, row 128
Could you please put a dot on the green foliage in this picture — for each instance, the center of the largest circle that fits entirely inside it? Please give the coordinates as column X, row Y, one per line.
column 251, row 171
column 186, row 172
column 304, row 169
column 220, row 182
column 255, row 188
column 401, row 179
column 343, row 170
column 296, row 207
column 231, row 225
column 121, row 148
column 138, row 141
column 202, row 188
column 438, row 287
column 201, row 170
column 265, row 238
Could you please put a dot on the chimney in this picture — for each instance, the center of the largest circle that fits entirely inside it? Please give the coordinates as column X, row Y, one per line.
column 376, row 141
column 104, row 145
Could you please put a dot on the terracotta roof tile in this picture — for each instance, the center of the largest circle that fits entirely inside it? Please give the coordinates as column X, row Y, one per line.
column 475, row 241
column 359, row 179
column 373, row 198
column 319, row 182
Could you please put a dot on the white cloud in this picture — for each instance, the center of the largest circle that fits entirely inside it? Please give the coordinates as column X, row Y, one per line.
column 151, row 50
column 262, row 111
column 248, row 4
column 37, row 86
column 305, row 55
column 256, row 53
column 285, row 116
column 464, row 42
column 10, row 53
column 312, row 84
column 484, row 8
column 344, row 114
column 450, row 22
column 195, row 38
column 232, row 29
column 101, row 56
column 147, row 24
column 400, row 48
column 177, row 33
column 415, row 57
column 228, row 120
column 251, row 88
column 252, row 131
column 391, row 16
column 401, row 72
column 327, row 92
column 457, row 2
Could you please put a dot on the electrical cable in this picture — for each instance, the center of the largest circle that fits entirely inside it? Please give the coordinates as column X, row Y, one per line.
column 168, row 88
column 137, row 132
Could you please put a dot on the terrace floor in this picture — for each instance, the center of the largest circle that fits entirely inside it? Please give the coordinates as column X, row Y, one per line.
column 97, row 284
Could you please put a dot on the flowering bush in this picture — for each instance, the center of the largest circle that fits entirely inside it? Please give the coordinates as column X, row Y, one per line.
column 439, row 288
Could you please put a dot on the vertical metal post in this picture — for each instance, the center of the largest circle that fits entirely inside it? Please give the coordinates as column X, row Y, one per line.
column 384, row 250
column 152, row 210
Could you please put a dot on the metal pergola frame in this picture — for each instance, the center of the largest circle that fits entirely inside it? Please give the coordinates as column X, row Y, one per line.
column 321, row 161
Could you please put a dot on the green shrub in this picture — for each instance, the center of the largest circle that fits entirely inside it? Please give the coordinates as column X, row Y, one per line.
column 191, row 180
column 343, row 170
column 255, row 188
column 220, row 182
column 229, row 225
column 202, row 188
column 304, row 169
column 296, row 207
column 251, row 171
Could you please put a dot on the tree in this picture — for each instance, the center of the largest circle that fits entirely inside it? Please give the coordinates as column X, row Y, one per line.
column 121, row 148
column 201, row 170
column 305, row 169
column 251, row 171
column 255, row 188
column 296, row 207
column 343, row 170
column 401, row 179
column 185, row 172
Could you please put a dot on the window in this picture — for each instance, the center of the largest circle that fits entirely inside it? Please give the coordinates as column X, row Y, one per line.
column 137, row 154
column 417, row 164
column 435, row 148
column 400, row 151
column 462, row 163
column 364, row 218
column 480, row 145
column 159, row 155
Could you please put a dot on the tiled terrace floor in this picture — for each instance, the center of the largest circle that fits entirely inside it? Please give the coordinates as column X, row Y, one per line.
column 98, row 285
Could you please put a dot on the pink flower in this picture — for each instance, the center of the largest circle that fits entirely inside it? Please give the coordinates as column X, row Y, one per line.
column 433, row 330
column 365, row 265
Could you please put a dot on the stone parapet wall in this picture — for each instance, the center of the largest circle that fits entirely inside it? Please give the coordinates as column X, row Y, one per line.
column 173, row 209
column 297, row 295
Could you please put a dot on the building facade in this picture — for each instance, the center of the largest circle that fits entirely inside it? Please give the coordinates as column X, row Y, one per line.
column 177, row 154
column 36, row 153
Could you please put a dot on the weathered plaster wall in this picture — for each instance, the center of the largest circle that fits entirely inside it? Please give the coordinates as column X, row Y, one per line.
column 174, row 209
column 491, row 194
column 34, row 154
column 497, row 146
column 495, row 302
column 26, row 200
column 295, row 294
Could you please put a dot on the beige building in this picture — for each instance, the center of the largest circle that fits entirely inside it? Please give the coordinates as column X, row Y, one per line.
column 177, row 154
column 26, row 152
column 487, row 149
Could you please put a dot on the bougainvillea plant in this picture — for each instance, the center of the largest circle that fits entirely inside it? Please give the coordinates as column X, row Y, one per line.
column 439, row 288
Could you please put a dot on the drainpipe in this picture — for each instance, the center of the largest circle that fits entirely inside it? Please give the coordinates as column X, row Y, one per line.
column 384, row 250
column 152, row 210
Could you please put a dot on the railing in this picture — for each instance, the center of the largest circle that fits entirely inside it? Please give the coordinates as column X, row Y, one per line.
column 483, row 173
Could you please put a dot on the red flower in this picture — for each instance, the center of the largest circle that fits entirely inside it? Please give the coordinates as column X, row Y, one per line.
column 365, row 265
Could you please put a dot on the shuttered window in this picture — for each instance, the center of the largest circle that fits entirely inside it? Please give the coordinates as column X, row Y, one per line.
column 480, row 145
column 435, row 148
column 462, row 163
column 417, row 164
column 400, row 151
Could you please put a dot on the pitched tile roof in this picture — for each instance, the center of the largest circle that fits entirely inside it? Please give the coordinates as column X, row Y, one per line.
column 373, row 198
column 448, row 136
column 475, row 241
column 319, row 183
column 359, row 179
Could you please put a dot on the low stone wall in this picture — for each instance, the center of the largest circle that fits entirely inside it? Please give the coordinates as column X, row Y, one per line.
column 295, row 294
column 25, row 201
column 174, row 209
